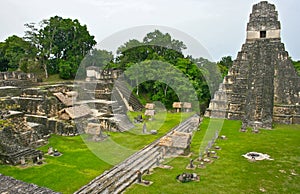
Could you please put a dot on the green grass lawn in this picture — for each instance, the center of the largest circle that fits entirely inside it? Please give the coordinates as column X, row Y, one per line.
column 232, row 173
column 67, row 173
column 83, row 160
column 119, row 146
column 54, row 79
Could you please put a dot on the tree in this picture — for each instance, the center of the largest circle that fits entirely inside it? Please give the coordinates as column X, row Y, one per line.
column 211, row 75
column 225, row 64
column 297, row 66
column 138, row 59
column 99, row 58
column 161, row 81
column 58, row 39
column 155, row 46
column 131, row 52
column 65, row 70
column 164, row 41
column 16, row 53
column 3, row 61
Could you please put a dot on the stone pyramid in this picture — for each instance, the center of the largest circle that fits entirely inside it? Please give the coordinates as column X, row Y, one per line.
column 262, row 86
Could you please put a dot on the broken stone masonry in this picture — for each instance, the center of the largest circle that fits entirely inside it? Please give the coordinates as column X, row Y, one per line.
column 11, row 185
column 27, row 119
column 262, row 86
column 31, row 111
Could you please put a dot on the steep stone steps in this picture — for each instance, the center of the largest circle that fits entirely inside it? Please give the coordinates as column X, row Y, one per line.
column 132, row 100
column 119, row 107
column 124, row 123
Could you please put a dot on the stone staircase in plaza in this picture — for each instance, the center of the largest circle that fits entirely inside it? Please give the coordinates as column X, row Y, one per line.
column 127, row 96
column 121, row 176
column 123, row 122
column 119, row 107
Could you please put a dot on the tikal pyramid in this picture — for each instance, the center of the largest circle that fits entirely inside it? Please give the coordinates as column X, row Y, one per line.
column 262, row 86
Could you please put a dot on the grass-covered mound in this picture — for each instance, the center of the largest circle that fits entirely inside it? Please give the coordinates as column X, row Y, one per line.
column 232, row 173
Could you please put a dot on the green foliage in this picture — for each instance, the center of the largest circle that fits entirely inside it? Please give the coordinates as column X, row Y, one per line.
column 3, row 60
column 164, row 41
column 47, row 48
column 134, row 57
column 297, row 66
column 206, row 78
column 67, row 173
column 162, row 81
column 65, row 70
column 58, row 39
column 16, row 53
column 224, row 65
column 98, row 58
column 4, row 123
column 155, row 46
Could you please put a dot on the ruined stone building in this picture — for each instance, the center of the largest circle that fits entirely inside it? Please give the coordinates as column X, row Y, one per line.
column 262, row 86
column 30, row 111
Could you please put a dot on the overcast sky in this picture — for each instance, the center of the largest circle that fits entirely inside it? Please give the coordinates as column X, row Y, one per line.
column 218, row 25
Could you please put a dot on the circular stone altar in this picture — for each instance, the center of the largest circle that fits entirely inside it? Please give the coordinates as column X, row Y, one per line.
column 257, row 156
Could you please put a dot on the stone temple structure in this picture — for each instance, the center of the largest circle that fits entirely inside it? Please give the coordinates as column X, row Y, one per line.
column 262, row 86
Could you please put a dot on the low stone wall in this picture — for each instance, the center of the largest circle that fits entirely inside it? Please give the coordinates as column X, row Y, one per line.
column 17, row 79
column 286, row 114
column 39, row 106
column 17, row 76
column 9, row 91
column 55, row 126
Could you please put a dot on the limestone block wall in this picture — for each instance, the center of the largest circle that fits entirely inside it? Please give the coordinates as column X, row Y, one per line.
column 287, row 114
column 17, row 76
column 39, row 106
column 262, row 86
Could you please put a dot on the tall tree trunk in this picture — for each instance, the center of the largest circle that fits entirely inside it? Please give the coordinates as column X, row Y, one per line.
column 137, row 87
column 45, row 69
column 165, row 90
